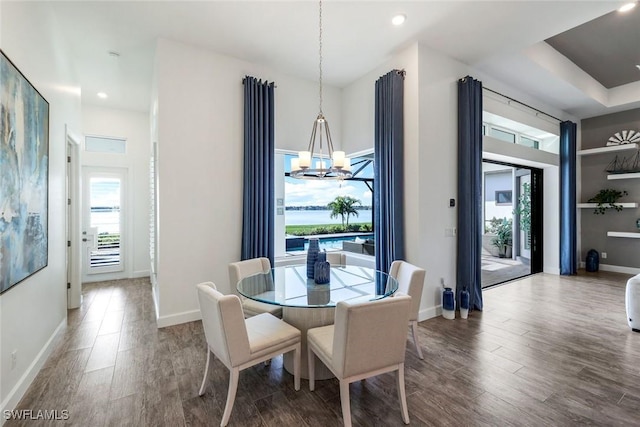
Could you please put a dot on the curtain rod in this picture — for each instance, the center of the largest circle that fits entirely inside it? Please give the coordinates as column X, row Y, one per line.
column 260, row 82
column 522, row 103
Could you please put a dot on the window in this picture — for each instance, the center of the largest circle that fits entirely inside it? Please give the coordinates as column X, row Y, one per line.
column 102, row 144
column 528, row 142
column 503, row 197
column 502, row 135
column 305, row 207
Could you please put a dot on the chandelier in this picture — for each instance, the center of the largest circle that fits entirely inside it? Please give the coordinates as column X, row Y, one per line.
column 327, row 163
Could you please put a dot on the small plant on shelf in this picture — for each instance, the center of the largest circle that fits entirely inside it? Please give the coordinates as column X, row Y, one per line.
column 606, row 199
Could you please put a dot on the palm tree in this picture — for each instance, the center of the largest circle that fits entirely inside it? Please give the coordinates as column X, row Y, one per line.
column 344, row 206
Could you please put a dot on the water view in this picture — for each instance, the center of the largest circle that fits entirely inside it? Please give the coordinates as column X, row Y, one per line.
column 308, row 217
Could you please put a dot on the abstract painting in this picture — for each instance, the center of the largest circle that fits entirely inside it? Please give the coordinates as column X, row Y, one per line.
column 24, row 176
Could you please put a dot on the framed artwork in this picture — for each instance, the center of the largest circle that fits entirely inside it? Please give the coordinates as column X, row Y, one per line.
column 24, row 177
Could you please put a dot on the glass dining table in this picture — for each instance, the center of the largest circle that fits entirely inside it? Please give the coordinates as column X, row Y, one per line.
column 307, row 305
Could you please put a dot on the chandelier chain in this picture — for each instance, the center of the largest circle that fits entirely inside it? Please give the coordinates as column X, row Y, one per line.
column 320, row 53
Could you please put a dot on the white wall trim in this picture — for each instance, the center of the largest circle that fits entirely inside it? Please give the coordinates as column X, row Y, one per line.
column 178, row 318
column 429, row 313
column 615, row 268
column 14, row 396
column 141, row 273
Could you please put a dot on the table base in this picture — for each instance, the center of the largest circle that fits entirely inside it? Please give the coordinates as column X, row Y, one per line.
column 304, row 319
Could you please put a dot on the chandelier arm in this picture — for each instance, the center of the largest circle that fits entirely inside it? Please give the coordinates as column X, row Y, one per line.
column 312, row 141
column 329, row 141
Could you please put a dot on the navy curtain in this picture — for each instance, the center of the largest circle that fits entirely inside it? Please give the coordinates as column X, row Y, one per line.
column 388, row 169
column 568, row 241
column 468, row 265
column 258, row 181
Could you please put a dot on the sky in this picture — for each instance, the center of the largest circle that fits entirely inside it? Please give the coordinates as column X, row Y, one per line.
column 306, row 192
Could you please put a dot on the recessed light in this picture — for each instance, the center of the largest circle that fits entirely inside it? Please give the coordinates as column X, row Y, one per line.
column 399, row 19
column 627, row 7
column 102, row 95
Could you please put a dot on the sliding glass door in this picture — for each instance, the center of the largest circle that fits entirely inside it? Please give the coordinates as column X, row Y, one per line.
column 512, row 215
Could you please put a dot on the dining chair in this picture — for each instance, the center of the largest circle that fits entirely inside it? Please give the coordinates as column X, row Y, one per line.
column 240, row 343
column 410, row 282
column 367, row 339
column 241, row 269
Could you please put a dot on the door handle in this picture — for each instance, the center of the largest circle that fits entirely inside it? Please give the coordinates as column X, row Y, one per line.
column 85, row 239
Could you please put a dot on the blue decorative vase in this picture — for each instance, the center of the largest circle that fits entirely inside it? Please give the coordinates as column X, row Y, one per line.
column 322, row 269
column 464, row 303
column 448, row 304
column 592, row 263
column 312, row 256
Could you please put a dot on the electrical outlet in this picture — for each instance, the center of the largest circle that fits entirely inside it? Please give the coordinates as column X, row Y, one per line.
column 14, row 359
column 450, row 232
column 604, row 255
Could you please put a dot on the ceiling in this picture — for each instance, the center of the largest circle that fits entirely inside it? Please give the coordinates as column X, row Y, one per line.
column 503, row 40
column 606, row 48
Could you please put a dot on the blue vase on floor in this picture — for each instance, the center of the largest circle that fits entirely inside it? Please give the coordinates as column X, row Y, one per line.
column 312, row 257
column 322, row 269
column 464, row 303
column 448, row 304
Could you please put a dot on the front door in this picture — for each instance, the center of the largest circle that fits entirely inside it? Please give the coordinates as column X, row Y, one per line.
column 103, row 226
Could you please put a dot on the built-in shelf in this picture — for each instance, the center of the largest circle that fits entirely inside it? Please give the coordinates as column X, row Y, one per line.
column 595, row 205
column 610, row 149
column 626, row 234
column 624, row 175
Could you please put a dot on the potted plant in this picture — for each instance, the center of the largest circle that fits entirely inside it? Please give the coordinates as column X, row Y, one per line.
column 524, row 212
column 606, row 199
column 504, row 238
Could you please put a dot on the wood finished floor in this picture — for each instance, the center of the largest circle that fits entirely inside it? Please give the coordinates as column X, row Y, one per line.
column 547, row 350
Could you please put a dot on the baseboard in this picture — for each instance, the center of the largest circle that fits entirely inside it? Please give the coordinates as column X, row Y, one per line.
column 27, row 378
column 140, row 273
column 614, row 268
column 178, row 318
column 619, row 269
column 429, row 313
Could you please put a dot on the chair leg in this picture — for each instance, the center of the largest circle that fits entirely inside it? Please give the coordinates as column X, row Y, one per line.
column 414, row 332
column 402, row 396
column 296, row 367
column 206, row 373
column 344, row 401
column 234, row 375
column 311, row 368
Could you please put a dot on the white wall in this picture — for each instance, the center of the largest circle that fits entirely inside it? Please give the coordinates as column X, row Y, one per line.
column 34, row 311
column 200, row 146
column 134, row 127
column 430, row 144
column 431, row 159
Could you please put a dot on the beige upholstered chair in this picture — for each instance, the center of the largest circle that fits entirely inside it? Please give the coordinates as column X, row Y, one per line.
column 241, row 269
column 410, row 282
column 336, row 258
column 240, row 343
column 368, row 338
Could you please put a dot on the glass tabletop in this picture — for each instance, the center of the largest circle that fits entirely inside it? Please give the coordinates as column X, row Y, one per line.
column 289, row 286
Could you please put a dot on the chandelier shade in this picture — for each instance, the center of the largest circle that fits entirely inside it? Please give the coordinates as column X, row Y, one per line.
column 325, row 163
